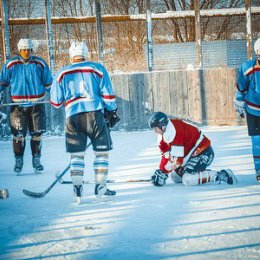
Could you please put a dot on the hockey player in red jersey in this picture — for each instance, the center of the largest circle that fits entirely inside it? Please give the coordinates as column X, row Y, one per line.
column 186, row 153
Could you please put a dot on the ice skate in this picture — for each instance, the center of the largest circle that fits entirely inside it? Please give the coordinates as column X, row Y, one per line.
column 103, row 194
column 226, row 176
column 4, row 194
column 18, row 164
column 38, row 167
column 78, row 189
column 258, row 175
column 101, row 190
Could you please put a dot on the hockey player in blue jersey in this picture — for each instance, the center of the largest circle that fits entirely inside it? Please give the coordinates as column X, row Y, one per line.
column 85, row 90
column 29, row 78
column 247, row 101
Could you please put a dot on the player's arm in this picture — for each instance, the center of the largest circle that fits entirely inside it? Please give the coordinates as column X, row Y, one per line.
column 56, row 93
column 240, row 92
column 5, row 77
column 47, row 77
column 109, row 99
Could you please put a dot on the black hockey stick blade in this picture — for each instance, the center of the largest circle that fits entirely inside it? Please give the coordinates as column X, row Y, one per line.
column 34, row 194
column 42, row 194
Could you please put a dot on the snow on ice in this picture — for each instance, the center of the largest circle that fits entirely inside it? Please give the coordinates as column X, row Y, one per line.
column 214, row 221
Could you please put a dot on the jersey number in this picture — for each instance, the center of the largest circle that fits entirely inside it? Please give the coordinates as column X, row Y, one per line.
column 81, row 90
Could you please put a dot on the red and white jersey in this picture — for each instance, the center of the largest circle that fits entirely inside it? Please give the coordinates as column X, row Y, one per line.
column 184, row 140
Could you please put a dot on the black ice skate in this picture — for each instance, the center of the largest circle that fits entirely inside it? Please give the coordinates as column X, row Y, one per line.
column 258, row 175
column 101, row 190
column 4, row 194
column 226, row 176
column 18, row 164
column 78, row 189
column 38, row 167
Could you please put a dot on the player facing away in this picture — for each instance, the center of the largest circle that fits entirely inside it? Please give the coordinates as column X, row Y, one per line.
column 29, row 79
column 186, row 153
column 247, row 101
column 85, row 90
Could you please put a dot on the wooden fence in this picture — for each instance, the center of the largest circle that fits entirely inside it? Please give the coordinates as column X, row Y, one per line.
column 202, row 96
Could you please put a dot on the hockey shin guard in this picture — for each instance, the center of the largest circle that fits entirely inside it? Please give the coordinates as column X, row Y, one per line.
column 19, row 145
column 101, row 167
column 36, row 145
column 256, row 151
column 199, row 178
column 77, row 166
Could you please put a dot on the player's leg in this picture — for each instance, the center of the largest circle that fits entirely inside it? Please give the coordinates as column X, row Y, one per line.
column 253, row 125
column 37, row 126
column 18, row 123
column 196, row 172
column 256, row 154
column 102, row 143
column 76, row 140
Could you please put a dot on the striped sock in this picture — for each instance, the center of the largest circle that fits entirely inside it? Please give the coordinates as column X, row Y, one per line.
column 77, row 166
column 101, row 167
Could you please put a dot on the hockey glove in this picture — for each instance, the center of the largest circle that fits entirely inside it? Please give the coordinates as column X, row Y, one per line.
column 240, row 108
column 159, row 178
column 111, row 117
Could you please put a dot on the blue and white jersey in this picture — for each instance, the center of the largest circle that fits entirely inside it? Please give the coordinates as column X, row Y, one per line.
column 82, row 87
column 28, row 80
column 248, row 86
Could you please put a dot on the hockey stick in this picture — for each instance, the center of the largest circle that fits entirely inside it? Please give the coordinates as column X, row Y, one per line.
column 42, row 194
column 25, row 103
column 108, row 181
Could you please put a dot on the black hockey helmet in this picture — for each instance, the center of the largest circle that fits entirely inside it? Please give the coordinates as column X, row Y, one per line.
column 158, row 119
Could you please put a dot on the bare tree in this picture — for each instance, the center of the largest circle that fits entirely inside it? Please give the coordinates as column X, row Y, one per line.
column 183, row 30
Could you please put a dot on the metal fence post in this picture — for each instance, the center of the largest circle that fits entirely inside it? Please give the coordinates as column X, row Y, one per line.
column 248, row 29
column 5, row 30
column 52, row 113
column 149, row 36
column 99, row 31
column 49, row 34
column 199, row 62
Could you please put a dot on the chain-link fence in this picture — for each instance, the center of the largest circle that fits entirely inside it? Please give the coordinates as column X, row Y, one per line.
column 223, row 36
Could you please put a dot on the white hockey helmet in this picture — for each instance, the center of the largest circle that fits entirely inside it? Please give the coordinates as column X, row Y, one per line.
column 25, row 44
column 78, row 49
column 257, row 47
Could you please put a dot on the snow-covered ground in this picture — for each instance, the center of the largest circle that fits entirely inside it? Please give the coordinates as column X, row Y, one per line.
column 142, row 222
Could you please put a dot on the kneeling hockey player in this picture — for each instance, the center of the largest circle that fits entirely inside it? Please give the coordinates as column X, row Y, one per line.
column 85, row 89
column 186, row 153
